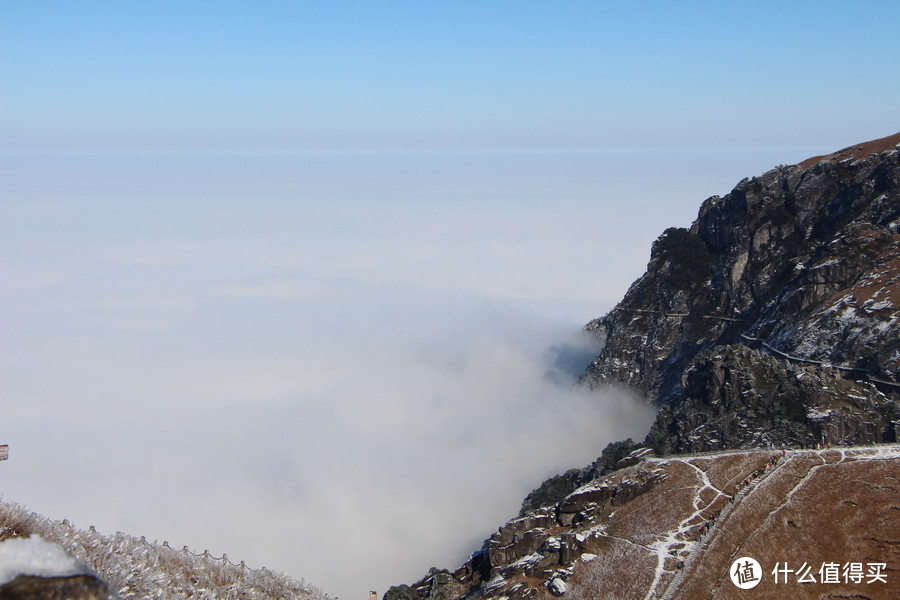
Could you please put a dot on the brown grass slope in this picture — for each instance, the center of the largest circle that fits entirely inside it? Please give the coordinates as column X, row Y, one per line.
column 680, row 539
column 671, row 529
column 857, row 151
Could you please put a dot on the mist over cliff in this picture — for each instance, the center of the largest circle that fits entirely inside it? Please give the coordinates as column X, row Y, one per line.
column 770, row 323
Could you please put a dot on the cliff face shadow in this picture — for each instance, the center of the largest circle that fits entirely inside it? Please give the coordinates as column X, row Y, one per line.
column 566, row 361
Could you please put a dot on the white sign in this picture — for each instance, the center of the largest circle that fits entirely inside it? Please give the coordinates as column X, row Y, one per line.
column 745, row 573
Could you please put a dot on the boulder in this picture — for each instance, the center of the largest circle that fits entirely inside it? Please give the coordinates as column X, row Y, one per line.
column 72, row 587
column 35, row 569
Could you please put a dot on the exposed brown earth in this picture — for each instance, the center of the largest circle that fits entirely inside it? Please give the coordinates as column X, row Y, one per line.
column 815, row 507
column 858, row 151
column 672, row 528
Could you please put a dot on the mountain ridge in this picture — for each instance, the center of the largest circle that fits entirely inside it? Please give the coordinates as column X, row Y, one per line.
column 770, row 322
column 801, row 264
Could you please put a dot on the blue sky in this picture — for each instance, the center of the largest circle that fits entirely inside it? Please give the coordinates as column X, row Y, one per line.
column 523, row 75
column 286, row 278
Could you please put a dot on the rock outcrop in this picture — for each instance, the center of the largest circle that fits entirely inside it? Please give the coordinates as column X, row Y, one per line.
column 802, row 265
column 737, row 397
column 614, row 456
column 540, row 548
column 35, row 569
column 73, row 587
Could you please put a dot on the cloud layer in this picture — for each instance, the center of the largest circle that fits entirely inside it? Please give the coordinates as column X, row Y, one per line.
column 357, row 463
column 347, row 369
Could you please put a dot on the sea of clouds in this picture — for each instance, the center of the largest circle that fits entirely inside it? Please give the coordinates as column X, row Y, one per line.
column 346, row 367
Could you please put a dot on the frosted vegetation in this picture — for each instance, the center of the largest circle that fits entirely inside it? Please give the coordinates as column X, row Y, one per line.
column 135, row 568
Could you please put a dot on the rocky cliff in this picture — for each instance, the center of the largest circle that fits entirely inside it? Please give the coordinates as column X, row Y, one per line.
column 773, row 318
column 771, row 322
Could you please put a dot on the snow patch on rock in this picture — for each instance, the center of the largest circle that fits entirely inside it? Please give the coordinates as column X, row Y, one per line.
column 38, row 557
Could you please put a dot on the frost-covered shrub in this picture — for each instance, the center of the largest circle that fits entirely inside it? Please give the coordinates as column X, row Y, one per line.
column 135, row 568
